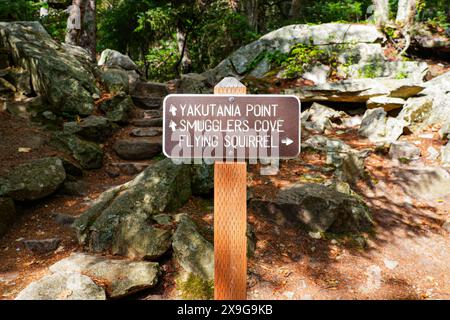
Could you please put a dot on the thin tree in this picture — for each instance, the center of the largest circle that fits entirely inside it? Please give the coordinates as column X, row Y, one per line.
column 380, row 11
column 406, row 13
column 81, row 25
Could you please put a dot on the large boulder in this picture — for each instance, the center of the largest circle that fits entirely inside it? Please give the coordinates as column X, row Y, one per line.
column 87, row 153
column 432, row 107
column 318, row 208
column 7, row 214
column 402, row 150
column 202, row 179
column 34, row 180
column 115, row 81
column 65, row 81
column 114, row 59
column 119, row 277
column 118, row 108
column 94, row 128
column 349, row 162
column 379, row 128
column 162, row 187
column 192, row 251
column 358, row 90
column 318, row 117
column 138, row 148
column 63, row 286
column 331, row 34
column 413, row 70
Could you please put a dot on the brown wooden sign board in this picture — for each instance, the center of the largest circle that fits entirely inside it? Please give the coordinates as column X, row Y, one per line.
column 228, row 126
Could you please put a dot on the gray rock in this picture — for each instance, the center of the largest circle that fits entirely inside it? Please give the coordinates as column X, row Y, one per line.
column 421, row 182
column 121, row 277
column 147, row 88
column 162, row 187
column 357, row 90
column 317, row 73
column 145, row 132
column 149, row 123
column 57, row 75
column 137, row 149
column 404, row 150
column 319, row 117
column 114, row 59
column 191, row 250
column 118, row 108
column 93, row 128
column 385, row 102
column 202, row 179
column 42, row 246
column 193, row 83
column 87, row 153
column 62, row 286
column 283, row 39
column 413, row 70
column 115, row 80
column 136, row 238
column 7, row 214
column 379, row 128
column 20, row 79
column 318, row 208
column 34, row 180
column 416, row 112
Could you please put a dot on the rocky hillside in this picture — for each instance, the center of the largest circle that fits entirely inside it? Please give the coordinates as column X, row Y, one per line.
column 90, row 209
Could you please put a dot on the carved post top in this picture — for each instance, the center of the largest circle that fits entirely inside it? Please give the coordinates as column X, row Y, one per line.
column 230, row 85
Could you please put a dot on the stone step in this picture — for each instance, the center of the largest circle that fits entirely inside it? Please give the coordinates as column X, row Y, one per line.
column 145, row 89
column 148, row 102
column 147, row 122
column 138, row 148
column 146, row 132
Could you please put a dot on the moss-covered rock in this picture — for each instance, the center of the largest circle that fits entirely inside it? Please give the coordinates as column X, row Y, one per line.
column 192, row 251
column 113, row 220
column 66, row 82
column 93, row 128
column 118, row 108
column 115, row 80
column 34, row 180
column 88, row 154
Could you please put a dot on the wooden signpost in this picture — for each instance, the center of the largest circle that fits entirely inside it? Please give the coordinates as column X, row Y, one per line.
column 231, row 127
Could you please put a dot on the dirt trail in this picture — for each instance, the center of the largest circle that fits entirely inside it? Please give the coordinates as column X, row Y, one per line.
column 406, row 257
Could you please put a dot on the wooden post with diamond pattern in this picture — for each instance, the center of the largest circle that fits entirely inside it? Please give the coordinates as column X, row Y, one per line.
column 230, row 218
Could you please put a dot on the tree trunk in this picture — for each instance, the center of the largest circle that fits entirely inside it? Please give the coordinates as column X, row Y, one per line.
column 406, row 12
column 81, row 25
column 43, row 11
column 89, row 28
column 381, row 11
column 294, row 12
column 185, row 60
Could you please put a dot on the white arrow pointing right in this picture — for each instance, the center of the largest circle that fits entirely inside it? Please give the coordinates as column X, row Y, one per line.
column 287, row 141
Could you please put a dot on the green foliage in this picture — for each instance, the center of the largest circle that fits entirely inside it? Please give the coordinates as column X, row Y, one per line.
column 372, row 70
column 162, row 59
column 335, row 11
column 14, row 10
column 195, row 288
column 300, row 57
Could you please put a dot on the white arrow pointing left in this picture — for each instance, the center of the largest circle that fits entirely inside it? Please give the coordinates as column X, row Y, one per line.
column 172, row 125
column 287, row 141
